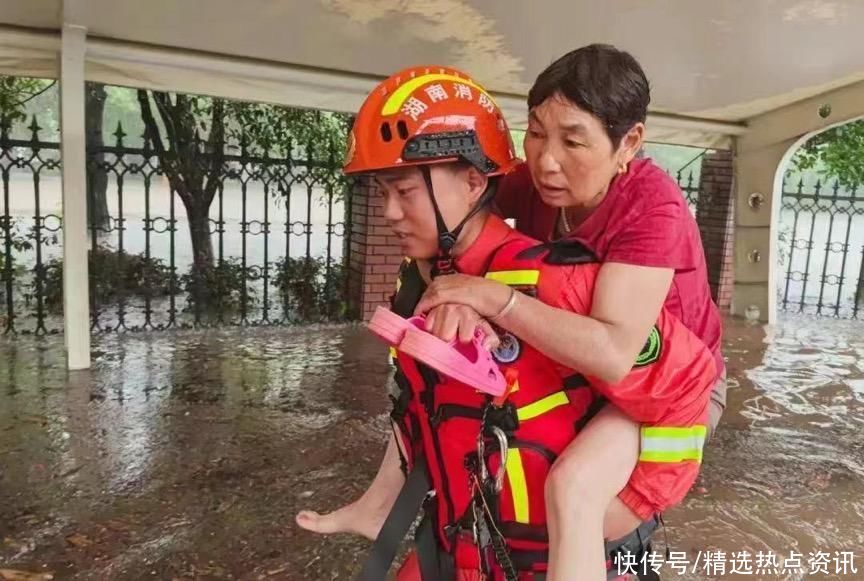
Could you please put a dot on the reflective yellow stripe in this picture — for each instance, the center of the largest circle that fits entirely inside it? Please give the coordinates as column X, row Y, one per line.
column 672, row 445
column 393, row 352
column 518, row 486
column 515, row 277
column 541, row 406
column 674, row 433
column 693, row 455
column 400, row 95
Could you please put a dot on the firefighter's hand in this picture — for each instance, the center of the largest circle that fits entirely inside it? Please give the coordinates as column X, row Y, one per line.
column 450, row 321
column 485, row 297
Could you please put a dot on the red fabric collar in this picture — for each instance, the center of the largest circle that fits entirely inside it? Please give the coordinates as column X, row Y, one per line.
column 475, row 260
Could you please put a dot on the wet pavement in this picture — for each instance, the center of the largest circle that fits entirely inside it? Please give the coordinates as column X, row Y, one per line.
column 785, row 471
column 185, row 455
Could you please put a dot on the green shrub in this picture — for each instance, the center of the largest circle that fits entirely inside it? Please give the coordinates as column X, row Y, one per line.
column 307, row 294
column 112, row 274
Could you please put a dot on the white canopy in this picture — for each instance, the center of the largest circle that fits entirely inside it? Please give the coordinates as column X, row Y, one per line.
column 712, row 65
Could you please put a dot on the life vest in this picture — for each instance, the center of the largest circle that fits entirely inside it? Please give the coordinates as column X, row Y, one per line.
column 441, row 419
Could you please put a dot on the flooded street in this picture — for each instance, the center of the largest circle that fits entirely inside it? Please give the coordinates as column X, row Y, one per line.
column 786, row 469
column 185, row 455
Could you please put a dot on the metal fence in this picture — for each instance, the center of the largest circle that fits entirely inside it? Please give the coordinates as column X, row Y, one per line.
column 688, row 179
column 821, row 249
column 276, row 227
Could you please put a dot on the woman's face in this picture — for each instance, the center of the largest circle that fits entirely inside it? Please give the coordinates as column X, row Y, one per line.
column 571, row 158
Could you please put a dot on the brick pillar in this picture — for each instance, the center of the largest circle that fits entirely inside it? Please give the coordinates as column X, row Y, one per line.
column 374, row 254
column 715, row 214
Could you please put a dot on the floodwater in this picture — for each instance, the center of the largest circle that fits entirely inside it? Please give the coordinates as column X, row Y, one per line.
column 185, row 455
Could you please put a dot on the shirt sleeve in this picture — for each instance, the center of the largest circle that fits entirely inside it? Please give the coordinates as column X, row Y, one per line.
column 514, row 191
column 661, row 236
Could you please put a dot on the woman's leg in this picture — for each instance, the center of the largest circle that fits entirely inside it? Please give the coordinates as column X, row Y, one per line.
column 580, row 490
column 366, row 515
column 620, row 520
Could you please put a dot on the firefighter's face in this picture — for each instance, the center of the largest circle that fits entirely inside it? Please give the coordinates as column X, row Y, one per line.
column 408, row 206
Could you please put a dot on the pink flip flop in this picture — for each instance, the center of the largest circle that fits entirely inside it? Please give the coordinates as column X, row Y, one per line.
column 390, row 327
column 469, row 363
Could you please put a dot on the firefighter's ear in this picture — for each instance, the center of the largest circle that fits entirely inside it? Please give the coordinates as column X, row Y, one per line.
column 477, row 184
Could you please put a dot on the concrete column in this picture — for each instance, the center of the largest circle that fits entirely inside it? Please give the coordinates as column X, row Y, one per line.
column 76, row 306
column 757, row 213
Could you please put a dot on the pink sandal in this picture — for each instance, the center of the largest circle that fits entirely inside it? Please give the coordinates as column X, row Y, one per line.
column 390, row 327
column 470, row 363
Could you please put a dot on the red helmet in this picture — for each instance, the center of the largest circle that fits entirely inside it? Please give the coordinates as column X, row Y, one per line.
column 426, row 115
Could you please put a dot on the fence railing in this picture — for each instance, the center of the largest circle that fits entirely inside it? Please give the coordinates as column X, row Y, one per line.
column 821, row 249
column 264, row 247
column 688, row 180
column 31, row 229
column 689, row 187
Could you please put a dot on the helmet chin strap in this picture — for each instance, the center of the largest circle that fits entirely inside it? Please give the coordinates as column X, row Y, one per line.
column 447, row 238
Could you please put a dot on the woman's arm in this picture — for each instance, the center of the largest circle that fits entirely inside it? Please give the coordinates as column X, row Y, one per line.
column 626, row 303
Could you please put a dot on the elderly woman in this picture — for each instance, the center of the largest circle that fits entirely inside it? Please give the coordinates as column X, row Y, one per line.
column 581, row 181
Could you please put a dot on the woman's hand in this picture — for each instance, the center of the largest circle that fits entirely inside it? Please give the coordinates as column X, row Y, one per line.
column 486, row 297
column 449, row 321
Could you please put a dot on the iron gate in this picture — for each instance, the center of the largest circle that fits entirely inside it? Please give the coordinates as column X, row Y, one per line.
column 821, row 249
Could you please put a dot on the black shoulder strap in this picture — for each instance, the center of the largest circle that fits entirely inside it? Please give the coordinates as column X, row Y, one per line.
column 565, row 251
column 494, row 254
column 411, row 288
column 396, row 525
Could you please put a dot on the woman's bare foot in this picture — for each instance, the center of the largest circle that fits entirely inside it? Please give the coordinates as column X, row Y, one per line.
column 356, row 518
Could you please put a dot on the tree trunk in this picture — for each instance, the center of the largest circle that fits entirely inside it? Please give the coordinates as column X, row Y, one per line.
column 97, row 178
column 200, row 292
column 199, row 230
column 184, row 164
column 194, row 172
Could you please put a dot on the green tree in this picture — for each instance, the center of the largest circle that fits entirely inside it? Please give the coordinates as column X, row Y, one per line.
column 192, row 164
column 272, row 129
column 190, row 135
column 16, row 92
column 122, row 108
column 836, row 154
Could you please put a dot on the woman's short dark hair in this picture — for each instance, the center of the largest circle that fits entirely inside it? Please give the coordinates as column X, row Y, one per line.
column 599, row 78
